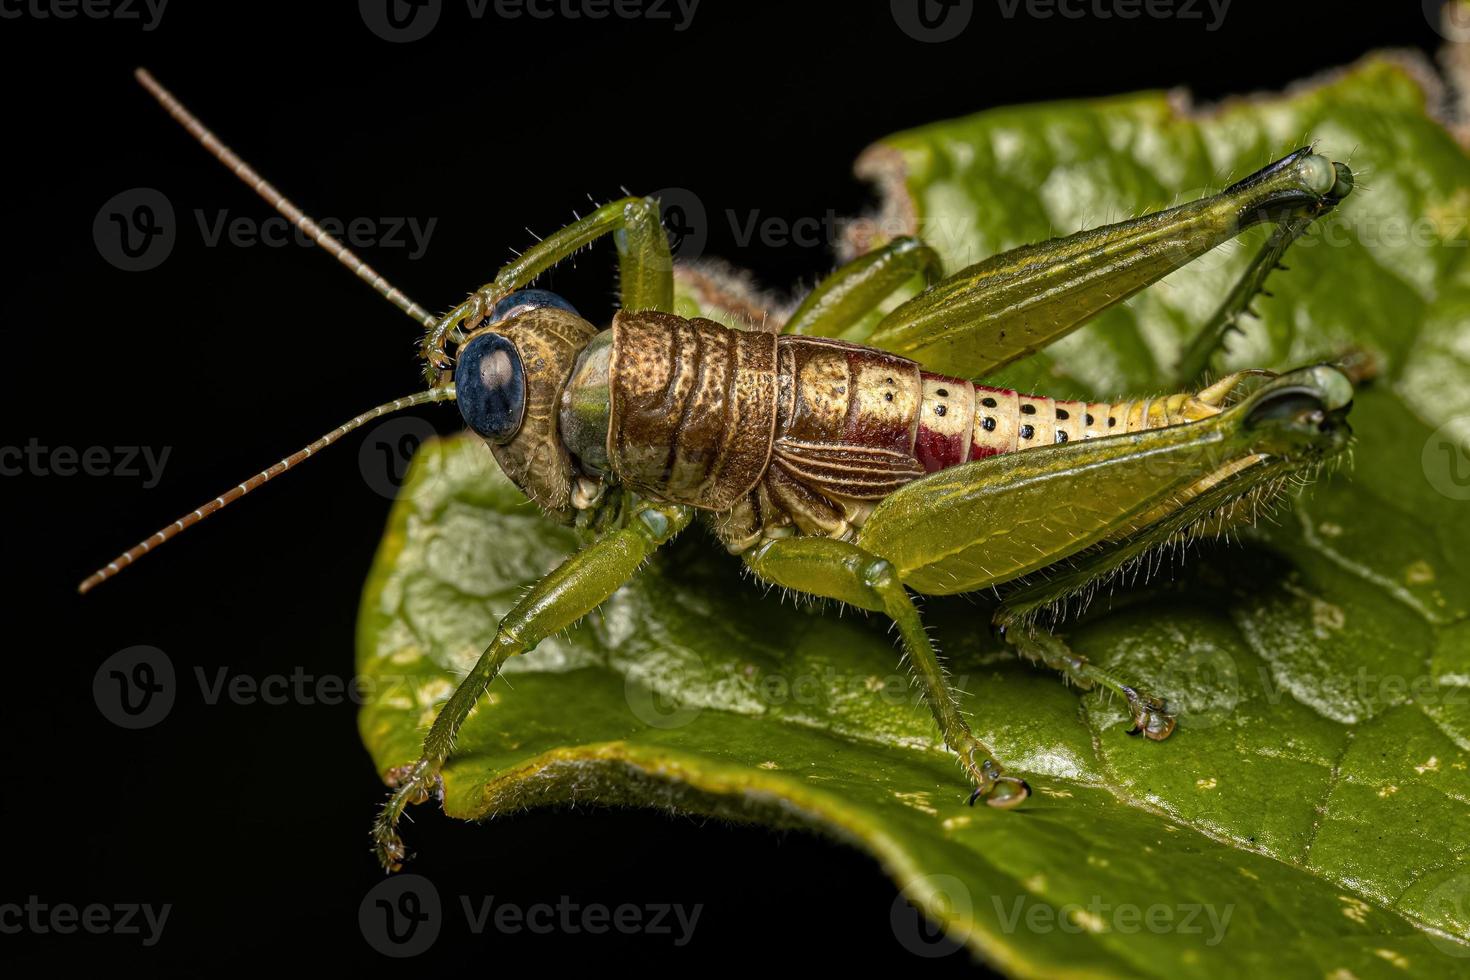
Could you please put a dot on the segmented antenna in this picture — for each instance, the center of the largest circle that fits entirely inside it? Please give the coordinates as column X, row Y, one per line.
column 443, row 394
column 278, row 201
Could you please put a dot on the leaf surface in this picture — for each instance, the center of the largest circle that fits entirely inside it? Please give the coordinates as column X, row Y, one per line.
column 1311, row 814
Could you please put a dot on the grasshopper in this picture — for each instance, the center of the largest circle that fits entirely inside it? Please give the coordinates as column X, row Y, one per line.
column 858, row 473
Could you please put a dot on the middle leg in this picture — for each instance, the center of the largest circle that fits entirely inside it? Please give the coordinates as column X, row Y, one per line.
column 858, row 288
column 837, row 570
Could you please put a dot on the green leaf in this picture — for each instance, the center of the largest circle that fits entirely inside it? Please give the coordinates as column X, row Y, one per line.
column 1311, row 815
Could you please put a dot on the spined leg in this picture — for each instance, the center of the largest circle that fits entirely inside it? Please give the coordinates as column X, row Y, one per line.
column 1012, row 304
column 645, row 267
column 838, row 570
column 565, row 595
column 856, row 289
column 1205, row 508
column 1048, row 523
column 1151, row 714
column 1195, row 360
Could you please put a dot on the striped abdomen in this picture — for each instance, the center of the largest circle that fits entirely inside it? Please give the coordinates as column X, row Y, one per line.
column 960, row 421
column 771, row 432
column 691, row 407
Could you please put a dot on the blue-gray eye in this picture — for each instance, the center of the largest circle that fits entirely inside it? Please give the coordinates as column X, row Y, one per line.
column 527, row 299
column 490, row 386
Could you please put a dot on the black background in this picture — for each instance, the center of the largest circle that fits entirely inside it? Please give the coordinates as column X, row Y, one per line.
column 251, row 819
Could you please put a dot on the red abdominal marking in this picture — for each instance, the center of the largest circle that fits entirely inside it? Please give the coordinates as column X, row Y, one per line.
column 960, row 422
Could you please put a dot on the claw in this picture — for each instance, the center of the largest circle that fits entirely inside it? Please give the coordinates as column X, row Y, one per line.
column 388, row 847
column 1003, row 794
column 1151, row 716
column 1159, row 727
column 411, row 784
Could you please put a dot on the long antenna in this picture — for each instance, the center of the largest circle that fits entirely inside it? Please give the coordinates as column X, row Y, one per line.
column 278, row 201
column 443, row 394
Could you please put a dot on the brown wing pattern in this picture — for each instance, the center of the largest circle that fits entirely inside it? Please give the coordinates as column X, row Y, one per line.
column 859, row 472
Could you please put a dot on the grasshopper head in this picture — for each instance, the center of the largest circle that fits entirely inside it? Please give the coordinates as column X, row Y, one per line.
column 1301, row 415
column 508, row 376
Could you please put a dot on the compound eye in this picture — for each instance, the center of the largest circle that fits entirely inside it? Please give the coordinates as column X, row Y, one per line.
column 518, row 302
column 490, row 386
